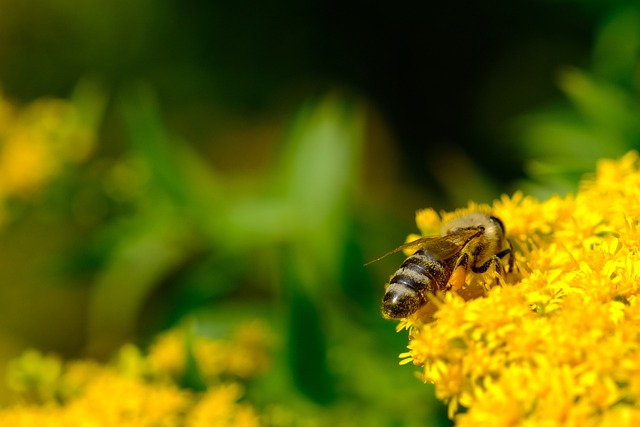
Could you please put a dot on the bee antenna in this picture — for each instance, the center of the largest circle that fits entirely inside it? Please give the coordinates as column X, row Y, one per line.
column 378, row 259
column 407, row 245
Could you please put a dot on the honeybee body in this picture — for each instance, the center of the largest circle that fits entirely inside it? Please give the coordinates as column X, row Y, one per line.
column 473, row 242
column 419, row 275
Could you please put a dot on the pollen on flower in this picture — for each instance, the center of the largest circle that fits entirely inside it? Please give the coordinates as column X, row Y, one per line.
column 557, row 343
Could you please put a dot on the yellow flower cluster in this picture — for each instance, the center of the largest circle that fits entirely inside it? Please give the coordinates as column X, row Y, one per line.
column 559, row 343
column 138, row 390
column 242, row 356
column 38, row 140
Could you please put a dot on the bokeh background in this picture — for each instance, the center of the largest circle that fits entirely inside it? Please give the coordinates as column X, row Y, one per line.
column 164, row 162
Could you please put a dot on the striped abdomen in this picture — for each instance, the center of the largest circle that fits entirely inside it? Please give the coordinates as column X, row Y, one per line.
column 418, row 275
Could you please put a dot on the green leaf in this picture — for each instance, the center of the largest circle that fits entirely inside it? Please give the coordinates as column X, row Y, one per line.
column 174, row 167
column 192, row 376
column 615, row 55
column 604, row 106
column 319, row 168
column 307, row 348
column 148, row 250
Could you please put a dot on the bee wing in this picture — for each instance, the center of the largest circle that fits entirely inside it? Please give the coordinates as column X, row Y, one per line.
column 445, row 247
column 442, row 247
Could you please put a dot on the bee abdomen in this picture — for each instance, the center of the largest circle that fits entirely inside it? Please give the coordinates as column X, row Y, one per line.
column 420, row 272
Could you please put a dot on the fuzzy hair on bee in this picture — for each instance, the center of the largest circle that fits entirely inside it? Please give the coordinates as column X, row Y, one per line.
column 471, row 242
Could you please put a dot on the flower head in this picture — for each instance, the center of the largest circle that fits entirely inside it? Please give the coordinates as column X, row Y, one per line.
column 559, row 342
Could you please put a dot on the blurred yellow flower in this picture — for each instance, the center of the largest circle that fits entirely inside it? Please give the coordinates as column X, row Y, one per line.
column 218, row 407
column 37, row 141
column 136, row 390
column 248, row 351
column 167, row 354
column 110, row 399
column 560, row 345
column 35, row 372
column 243, row 355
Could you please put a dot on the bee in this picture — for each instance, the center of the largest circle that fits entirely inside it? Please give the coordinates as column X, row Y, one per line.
column 475, row 241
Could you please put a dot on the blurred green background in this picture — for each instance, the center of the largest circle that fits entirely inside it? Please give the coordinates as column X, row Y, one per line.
column 228, row 161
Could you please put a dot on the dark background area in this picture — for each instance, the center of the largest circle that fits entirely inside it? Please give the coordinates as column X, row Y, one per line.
column 441, row 75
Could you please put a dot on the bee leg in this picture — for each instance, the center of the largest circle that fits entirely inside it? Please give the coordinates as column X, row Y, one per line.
column 501, row 255
column 494, row 260
column 512, row 259
column 459, row 274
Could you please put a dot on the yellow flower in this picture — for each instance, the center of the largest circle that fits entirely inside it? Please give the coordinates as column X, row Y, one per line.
column 243, row 355
column 249, row 350
column 167, row 355
column 32, row 416
column 78, row 374
column 218, row 407
column 428, row 221
column 110, row 399
column 138, row 390
column 37, row 141
column 559, row 343
column 35, row 372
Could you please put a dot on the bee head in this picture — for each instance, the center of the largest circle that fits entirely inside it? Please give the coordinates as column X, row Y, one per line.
column 499, row 224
